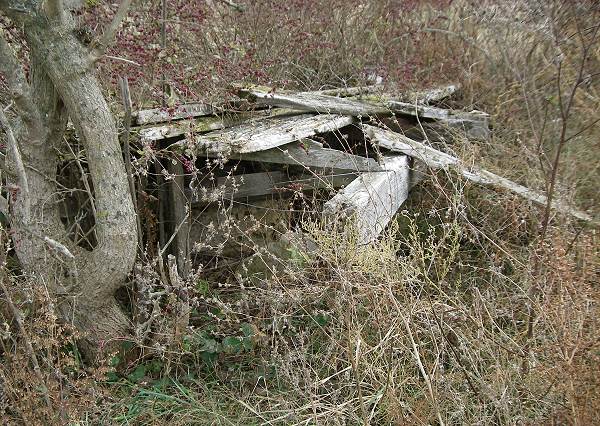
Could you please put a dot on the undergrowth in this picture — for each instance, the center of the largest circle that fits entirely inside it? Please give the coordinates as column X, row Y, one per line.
column 470, row 309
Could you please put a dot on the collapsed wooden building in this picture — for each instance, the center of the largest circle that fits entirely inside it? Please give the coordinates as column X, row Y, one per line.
column 363, row 149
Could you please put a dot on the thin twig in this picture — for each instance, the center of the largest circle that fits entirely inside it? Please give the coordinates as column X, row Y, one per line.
column 100, row 46
column 20, row 324
column 20, row 168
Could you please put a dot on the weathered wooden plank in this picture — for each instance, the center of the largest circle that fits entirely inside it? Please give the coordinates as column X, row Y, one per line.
column 211, row 123
column 311, row 154
column 266, row 183
column 428, row 96
column 179, row 128
column 372, row 199
column 159, row 115
column 267, row 134
column 345, row 92
column 315, row 102
column 475, row 123
column 439, row 160
column 180, row 216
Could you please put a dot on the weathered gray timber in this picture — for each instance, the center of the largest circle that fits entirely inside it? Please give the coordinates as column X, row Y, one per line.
column 372, row 199
column 315, row 102
column 182, row 127
column 270, row 133
column 345, row 92
column 159, row 115
column 179, row 204
column 439, row 160
column 311, row 154
column 476, row 123
column 425, row 97
column 210, row 123
column 266, row 183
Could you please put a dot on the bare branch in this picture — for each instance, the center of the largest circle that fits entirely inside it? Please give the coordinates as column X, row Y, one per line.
column 20, row 168
column 20, row 89
column 99, row 46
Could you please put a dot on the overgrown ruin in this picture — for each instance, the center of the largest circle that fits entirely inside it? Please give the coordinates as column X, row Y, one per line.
column 364, row 148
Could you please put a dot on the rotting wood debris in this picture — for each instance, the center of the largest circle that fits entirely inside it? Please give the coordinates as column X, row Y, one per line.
column 373, row 173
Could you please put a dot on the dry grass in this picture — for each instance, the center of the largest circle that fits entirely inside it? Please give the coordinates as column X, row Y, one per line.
column 465, row 312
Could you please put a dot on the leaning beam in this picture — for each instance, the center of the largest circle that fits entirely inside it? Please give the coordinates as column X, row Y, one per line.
column 267, row 134
column 372, row 199
column 439, row 160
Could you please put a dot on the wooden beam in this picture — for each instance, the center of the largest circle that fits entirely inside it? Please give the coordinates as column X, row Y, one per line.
column 267, row 134
column 266, row 183
column 428, row 96
column 210, row 123
column 311, row 154
column 315, row 102
column 159, row 115
column 345, row 92
column 439, row 160
column 475, row 123
column 179, row 215
column 372, row 199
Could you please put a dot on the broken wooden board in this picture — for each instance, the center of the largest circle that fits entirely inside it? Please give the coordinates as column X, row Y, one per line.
column 211, row 123
column 266, row 183
column 267, row 134
column 439, row 160
column 428, row 96
column 346, row 92
column 372, row 199
column 311, row 154
column 315, row 102
column 159, row 115
column 475, row 123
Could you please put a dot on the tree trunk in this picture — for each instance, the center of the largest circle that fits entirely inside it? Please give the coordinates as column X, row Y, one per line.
column 63, row 83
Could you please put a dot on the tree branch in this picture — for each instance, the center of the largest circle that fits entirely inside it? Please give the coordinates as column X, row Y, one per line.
column 20, row 90
column 108, row 37
column 20, row 168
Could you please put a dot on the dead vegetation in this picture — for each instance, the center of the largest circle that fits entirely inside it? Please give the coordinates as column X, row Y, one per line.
column 472, row 307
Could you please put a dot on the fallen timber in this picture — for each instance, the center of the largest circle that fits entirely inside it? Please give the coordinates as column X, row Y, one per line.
column 476, row 123
column 311, row 154
column 439, row 160
column 248, row 138
column 307, row 141
column 372, row 199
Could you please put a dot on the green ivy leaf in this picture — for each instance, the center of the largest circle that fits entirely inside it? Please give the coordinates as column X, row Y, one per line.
column 247, row 329
column 137, row 374
column 232, row 345
column 202, row 287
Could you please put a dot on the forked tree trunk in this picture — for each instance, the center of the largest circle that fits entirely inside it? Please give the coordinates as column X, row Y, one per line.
column 64, row 84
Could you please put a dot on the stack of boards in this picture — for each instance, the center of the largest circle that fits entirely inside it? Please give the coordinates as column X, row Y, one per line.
column 357, row 144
